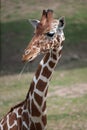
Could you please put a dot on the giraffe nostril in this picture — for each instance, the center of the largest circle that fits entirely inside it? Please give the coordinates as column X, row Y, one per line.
column 30, row 58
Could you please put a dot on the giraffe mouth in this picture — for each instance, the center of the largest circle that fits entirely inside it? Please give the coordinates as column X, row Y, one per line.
column 29, row 58
column 32, row 58
column 25, row 59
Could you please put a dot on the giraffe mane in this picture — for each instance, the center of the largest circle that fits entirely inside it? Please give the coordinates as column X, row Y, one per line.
column 16, row 106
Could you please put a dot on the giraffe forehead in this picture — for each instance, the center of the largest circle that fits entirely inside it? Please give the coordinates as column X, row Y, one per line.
column 54, row 26
column 54, row 23
column 47, row 27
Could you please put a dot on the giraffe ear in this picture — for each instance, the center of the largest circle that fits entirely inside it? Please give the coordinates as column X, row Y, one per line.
column 61, row 23
column 34, row 22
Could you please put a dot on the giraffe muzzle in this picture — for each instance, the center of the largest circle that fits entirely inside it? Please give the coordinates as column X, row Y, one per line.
column 29, row 59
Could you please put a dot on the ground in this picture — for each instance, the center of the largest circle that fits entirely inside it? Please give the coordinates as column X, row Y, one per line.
column 76, row 90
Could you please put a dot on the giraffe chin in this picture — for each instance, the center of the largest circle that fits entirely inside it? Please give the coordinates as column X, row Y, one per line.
column 32, row 59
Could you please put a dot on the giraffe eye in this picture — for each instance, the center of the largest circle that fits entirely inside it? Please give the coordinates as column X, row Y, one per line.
column 50, row 34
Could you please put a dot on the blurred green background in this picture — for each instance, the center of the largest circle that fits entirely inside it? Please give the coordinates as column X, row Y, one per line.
column 68, row 88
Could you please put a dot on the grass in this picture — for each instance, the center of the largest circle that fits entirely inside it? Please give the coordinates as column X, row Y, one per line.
column 68, row 114
column 67, row 96
column 68, row 77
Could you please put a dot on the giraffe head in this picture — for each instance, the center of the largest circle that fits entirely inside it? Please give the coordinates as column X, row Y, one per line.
column 48, row 34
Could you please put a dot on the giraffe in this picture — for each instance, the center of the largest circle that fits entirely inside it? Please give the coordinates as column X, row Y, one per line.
column 48, row 37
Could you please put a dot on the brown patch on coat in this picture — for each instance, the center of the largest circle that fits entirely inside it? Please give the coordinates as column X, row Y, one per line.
column 31, row 89
column 38, row 99
column 51, row 64
column 44, row 106
column 41, row 85
column 46, row 57
column 32, row 126
column 5, row 127
column 38, row 126
column 60, row 52
column 12, row 118
column 28, row 102
column 19, row 122
column 44, row 120
column 54, row 56
column 46, row 72
column 24, row 128
column 26, row 118
column 14, row 128
column 38, row 71
column 19, row 111
column 35, row 111
column 46, row 92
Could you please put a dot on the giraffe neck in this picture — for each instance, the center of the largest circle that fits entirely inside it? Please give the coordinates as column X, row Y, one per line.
column 36, row 97
column 31, row 113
